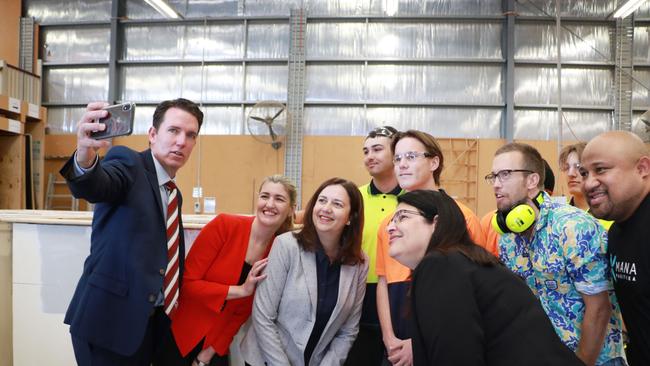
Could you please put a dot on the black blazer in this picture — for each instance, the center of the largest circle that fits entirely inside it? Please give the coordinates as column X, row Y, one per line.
column 124, row 272
column 465, row 314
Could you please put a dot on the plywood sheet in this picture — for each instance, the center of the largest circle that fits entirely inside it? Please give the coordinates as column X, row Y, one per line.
column 37, row 131
column 11, row 172
column 459, row 174
column 59, row 145
column 9, row 28
column 231, row 167
column 28, row 180
column 326, row 157
column 486, row 149
column 549, row 151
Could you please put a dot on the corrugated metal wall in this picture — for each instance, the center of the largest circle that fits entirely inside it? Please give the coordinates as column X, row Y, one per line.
column 437, row 66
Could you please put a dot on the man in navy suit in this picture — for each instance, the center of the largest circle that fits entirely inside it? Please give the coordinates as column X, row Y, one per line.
column 116, row 315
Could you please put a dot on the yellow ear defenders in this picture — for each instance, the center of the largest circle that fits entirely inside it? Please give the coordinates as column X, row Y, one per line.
column 518, row 219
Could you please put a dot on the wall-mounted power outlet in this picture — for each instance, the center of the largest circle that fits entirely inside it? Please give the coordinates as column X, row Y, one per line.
column 209, row 205
column 197, row 192
column 197, row 207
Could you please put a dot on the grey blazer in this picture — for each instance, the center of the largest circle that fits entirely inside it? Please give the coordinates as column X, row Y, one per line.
column 284, row 310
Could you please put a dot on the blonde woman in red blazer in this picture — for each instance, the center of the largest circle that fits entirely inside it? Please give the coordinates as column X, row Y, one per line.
column 221, row 272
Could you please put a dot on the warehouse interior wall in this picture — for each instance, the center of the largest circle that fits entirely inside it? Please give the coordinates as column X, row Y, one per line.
column 10, row 30
column 437, row 66
column 233, row 166
column 9, row 43
column 433, row 65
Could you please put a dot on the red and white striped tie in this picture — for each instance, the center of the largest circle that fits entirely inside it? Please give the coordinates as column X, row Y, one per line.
column 170, row 284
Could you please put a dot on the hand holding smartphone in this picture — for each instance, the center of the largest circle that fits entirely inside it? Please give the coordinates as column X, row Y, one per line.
column 119, row 121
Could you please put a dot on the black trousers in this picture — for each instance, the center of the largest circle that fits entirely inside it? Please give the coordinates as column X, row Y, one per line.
column 368, row 348
column 151, row 351
column 173, row 357
column 170, row 355
column 158, row 348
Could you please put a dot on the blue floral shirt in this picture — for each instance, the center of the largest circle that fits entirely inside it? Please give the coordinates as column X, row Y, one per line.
column 566, row 257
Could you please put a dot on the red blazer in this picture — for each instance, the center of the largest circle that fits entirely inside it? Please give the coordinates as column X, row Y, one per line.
column 213, row 265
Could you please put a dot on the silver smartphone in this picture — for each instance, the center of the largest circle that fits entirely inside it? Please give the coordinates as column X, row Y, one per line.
column 119, row 121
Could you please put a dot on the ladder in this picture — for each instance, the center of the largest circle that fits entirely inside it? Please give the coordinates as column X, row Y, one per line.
column 26, row 61
column 295, row 100
column 623, row 73
column 53, row 199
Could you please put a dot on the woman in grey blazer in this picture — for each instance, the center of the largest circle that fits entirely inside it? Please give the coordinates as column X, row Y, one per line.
column 307, row 310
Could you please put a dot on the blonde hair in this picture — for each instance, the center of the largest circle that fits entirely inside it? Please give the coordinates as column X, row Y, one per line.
column 287, row 225
column 576, row 148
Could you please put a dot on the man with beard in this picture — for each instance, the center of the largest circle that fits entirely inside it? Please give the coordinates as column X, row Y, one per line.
column 559, row 251
column 616, row 174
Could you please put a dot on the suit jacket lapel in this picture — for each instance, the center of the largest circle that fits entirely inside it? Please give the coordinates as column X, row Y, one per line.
column 152, row 177
column 308, row 260
column 345, row 284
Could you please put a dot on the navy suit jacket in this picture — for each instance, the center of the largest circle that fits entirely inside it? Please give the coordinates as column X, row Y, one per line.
column 124, row 272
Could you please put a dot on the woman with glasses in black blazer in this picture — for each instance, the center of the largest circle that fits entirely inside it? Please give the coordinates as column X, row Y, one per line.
column 466, row 309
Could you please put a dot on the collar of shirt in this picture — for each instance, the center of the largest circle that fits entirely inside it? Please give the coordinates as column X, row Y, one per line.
column 372, row 188
column 161, row 173
column 163, row 177
column 571, row 201
column 544, row 209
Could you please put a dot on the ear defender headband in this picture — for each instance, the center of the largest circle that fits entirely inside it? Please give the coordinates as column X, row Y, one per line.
column 518, row 219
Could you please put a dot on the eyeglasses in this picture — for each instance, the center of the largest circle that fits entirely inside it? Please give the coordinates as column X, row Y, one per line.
column 385, row 131
column 503, row 175
column 400, row 215
column 410, row 156
column 566, row 167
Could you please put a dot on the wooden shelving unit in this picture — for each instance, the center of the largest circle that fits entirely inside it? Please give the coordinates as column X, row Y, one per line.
column 11, row 122
column 22, row 136
column 9, row 126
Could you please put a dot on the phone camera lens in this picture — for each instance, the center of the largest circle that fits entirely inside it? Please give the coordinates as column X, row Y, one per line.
column 126, row 107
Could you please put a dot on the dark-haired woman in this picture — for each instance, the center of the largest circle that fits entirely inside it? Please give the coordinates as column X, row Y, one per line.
column 467, row 309
column 307, row 310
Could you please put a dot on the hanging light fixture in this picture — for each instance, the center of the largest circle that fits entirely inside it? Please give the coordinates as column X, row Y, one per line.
column 163, row 8
column 627, row 8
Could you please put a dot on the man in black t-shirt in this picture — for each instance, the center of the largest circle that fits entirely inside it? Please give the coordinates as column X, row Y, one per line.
column 616, row 173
